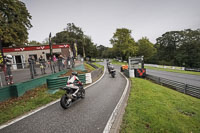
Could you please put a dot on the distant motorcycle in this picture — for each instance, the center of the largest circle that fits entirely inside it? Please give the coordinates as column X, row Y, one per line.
column 67, row 99
column 112, row 71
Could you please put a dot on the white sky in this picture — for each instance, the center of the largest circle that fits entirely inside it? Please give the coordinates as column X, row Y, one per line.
column 99, row 19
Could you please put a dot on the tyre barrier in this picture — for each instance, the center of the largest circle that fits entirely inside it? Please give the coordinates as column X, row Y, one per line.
column 55, row 84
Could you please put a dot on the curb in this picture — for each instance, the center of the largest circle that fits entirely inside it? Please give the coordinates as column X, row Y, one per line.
column 43, row 107
column 114, row 122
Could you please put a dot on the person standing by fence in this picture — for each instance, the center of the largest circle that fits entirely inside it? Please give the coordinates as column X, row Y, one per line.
column 60, row 64
column 42, row 64
column 8, row 73
column 31, row 62
column 52, row 65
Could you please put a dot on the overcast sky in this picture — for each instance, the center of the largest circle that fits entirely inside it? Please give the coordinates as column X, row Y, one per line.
column 99, row 19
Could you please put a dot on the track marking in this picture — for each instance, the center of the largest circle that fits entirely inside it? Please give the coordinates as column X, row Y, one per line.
column 43, row 107
column 115, row 111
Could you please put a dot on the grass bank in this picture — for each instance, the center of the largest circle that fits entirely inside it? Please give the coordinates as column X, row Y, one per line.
column 154, row 108
column 32, row 99
column 118, row 63
column 98, row 65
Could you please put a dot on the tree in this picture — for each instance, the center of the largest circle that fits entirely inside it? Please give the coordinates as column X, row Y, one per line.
column 145, row 48
column 179, row 48
column 188, row 53
column 14, row 22
column 123, row 44
column 100, row 50
column 73, row 34
column 167, row 46
column 108, row 53
column 34, row 43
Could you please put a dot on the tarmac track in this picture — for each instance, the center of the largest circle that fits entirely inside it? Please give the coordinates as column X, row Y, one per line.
column 89, row 115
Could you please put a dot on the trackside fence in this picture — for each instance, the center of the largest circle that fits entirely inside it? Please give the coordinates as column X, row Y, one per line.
column 178, row 86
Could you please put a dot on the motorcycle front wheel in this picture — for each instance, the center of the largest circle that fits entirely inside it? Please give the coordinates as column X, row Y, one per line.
column 113, row 75
column 64, row 102
column 83, row 93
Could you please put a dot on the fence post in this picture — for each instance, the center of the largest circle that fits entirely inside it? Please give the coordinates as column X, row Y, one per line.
column 158, row 80
column 186, row 86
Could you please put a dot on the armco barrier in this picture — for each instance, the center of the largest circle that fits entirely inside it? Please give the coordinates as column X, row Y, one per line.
column 178, row 86
column 126, row 73
column 19, row 89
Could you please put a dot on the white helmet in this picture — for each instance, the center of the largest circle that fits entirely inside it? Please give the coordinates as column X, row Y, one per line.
column 9, row 56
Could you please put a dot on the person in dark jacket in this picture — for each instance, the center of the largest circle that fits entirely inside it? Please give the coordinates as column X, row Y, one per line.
column 60, row 62
column 31, row 61
column 42, row 64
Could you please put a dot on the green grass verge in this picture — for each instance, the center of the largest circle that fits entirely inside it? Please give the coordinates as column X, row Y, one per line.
column 154, row 108
column 88, row 67
column 31, row 100
column 98, row 65
column 160, row 69
column 118, row 63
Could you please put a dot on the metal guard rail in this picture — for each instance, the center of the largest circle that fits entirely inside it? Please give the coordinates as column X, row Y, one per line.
column 178, row 86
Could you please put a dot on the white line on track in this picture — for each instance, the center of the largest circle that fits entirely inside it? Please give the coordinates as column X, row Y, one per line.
column 43, row 107
column 115, row 111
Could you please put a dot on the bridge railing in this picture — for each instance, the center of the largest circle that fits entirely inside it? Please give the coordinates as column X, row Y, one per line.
column 178, row 86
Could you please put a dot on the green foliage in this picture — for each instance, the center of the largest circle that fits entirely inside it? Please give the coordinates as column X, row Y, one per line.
column 154, row 108
column 108, row 53
column 14, row 22
column 123, row 44
column 146, row 49
column 101, row 51
column 34, row 43
column 73, row 34
column 179, row 48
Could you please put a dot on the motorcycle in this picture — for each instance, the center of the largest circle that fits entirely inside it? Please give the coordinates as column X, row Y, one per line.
column 67, row 99
column 113, row 73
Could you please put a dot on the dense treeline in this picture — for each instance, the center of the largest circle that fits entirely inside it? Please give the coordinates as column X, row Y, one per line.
column 180, row 48
column 177, row 48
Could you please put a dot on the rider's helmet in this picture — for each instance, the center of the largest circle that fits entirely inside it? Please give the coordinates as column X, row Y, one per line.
column 9, row 56
column 111, row 67
column 75, row 73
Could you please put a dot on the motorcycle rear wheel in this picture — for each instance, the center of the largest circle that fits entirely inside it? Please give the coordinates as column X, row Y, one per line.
column 64, row 102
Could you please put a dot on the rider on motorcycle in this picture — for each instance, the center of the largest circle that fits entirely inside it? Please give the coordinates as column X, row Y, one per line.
column 74, row 80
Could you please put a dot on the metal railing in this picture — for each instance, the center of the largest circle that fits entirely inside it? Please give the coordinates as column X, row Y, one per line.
column 23, row 71
column 178, row 86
